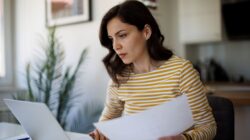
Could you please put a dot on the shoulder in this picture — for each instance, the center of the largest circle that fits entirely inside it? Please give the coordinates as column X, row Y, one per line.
column 178, row 63
column 112, row 88
column 177, row 59
column 111, row 84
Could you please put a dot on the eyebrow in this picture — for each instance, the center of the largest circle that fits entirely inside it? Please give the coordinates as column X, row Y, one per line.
column 116, row 33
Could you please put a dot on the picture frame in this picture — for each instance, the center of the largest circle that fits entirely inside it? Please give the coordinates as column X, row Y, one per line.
column 64, row 12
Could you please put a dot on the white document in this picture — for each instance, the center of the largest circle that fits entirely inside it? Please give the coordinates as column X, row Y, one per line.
column 168, row 119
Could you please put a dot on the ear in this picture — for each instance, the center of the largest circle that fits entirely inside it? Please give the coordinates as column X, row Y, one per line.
column 147, row 31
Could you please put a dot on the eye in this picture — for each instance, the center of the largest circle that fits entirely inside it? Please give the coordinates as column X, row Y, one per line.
column 122, row 35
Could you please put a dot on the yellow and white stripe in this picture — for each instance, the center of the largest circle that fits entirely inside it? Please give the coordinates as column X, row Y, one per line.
column 142, row 91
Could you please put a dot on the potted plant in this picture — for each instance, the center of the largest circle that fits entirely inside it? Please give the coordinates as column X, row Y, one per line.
column 49, row 82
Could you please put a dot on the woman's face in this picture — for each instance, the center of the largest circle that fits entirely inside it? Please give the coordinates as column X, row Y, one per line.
column 128, row 42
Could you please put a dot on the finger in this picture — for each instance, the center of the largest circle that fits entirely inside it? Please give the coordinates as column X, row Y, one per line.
column 97, row 135
column 91, row 134
column 102, row 137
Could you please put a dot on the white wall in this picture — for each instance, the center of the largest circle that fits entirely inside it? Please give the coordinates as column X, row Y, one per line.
column 30, row 25
column 167, row 18
column 168, row 22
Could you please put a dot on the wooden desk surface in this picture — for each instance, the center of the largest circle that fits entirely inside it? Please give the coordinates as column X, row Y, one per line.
column 239, row 94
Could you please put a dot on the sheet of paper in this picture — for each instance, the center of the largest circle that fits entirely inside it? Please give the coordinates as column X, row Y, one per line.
column 170, row 118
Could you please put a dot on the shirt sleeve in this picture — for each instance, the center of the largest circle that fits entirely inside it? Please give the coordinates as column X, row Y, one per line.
column 113, row 106
column 204, row 123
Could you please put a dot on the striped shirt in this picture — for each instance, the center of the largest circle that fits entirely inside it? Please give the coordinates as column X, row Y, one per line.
column 142, row 91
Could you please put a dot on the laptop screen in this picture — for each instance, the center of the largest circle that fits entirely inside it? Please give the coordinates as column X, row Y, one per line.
column 37, row 120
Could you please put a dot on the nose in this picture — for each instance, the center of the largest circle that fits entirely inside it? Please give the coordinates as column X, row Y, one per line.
column 116, row 45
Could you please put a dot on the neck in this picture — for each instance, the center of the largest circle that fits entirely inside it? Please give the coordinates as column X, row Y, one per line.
column 145, row 65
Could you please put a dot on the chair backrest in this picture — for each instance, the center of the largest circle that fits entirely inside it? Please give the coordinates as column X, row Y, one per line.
column 223, row 112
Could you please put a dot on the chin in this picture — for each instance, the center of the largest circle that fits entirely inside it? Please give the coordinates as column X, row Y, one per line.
column 126, row 62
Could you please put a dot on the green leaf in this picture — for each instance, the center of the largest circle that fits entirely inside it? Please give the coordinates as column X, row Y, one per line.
column 47, row 82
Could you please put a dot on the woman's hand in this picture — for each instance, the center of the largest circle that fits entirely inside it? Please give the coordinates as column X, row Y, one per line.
column 96, row 135
column 177, row 137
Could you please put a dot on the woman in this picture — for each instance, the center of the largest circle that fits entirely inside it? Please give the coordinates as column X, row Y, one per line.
column 145, row 74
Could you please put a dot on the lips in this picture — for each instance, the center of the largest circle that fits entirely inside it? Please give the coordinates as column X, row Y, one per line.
column 122, row 55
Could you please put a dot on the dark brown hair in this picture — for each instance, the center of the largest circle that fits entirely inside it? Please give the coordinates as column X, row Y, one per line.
column 137, row 14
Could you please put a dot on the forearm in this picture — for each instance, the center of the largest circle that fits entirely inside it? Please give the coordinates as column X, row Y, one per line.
column 110, row 113
column 206, row 132
column 204, row 122
column 113, row 105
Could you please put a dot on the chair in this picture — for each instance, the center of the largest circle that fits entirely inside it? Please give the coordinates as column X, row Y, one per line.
column 223, row 112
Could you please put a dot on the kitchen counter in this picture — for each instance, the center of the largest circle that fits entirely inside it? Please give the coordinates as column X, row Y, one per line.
column 238, row 93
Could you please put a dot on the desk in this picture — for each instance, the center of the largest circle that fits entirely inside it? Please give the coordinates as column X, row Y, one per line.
column 238, row 98
column 239, row 94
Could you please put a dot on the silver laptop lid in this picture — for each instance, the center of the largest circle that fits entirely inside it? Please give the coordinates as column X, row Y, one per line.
column 37, row 120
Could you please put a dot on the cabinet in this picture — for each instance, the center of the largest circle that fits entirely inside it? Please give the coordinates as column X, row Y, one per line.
column 199, row 21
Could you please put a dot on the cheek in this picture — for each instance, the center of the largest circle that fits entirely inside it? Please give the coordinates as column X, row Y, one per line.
column 140, row 44
column 134, row 43
column 140, row 40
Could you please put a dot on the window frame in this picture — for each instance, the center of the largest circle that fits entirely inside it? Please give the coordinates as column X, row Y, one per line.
column 2, row 57
column 8, row 80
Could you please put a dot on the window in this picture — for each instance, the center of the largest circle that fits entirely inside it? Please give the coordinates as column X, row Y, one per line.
column 2, row 66
column 6, row 46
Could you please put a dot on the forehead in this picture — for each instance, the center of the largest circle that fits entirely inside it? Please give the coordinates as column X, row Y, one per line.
column 115, row 25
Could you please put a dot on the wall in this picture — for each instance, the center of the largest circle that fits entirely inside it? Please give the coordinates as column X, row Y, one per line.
column 30, row 26
column 167, row 18
column 233, row 56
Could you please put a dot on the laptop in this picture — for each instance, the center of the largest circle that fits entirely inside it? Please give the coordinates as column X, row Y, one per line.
column 39, row 123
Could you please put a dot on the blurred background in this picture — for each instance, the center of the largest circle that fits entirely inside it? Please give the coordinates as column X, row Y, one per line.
column 213, row 34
